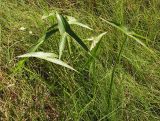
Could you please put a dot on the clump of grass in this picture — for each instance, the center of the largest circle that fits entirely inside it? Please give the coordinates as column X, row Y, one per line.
column 119, row 79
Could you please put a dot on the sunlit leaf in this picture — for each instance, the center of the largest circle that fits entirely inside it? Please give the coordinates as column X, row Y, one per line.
column 65, row 27
column 69, row 44
column 39, row 54
column 72, row 20
column 48, row 15
column 62, row 28
column 95, row 46
column 62, row 23
column 62, row 44
column 51, row 57
column 96, row 40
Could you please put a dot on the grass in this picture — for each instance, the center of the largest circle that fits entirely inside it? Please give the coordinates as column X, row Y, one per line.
column 120, row 83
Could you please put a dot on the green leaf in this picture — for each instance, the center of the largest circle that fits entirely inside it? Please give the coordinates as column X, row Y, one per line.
column 40, row 41
column 51, row 57
column 130, row 34
column 95, row 46
column 39, row 54
column 48, row 15
column 78, row 40
column 64, row 26
column 69, row 45
column 49, row 33
column 72, row 20
column 62, row 44
column 97, row 40
column 62, row 23
column 52, row 27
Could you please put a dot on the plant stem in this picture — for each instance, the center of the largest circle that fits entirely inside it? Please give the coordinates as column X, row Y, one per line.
column 113, row 74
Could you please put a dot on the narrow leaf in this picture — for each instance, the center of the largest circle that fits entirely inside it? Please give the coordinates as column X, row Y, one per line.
column 78, row 40
column 50, row 33
column 48, row 15
column 60, row 62
column 40, row 41
column 128, row 33
column 34, row 48
column 39, row 54
column 52, row 27
column 62, row 44
column 49, row 57
column 96, row 40
column 61, row 23
column 95, row 46
column 65, row 27
column 69, row 44
column 72, row 20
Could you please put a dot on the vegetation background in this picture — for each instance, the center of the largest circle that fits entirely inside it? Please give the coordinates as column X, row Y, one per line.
column 45, row 91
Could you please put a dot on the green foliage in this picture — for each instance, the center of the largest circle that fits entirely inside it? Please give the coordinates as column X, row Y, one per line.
column 130, row 34
column 118, row 67
column 64, row 29
column 51, row 57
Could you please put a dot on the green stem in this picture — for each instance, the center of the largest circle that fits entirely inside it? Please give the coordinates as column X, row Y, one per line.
column 113, row 73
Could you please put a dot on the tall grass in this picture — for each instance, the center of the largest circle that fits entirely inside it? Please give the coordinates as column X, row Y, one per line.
column 117, row 60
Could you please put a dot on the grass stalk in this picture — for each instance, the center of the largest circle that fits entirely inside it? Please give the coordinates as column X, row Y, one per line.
column 110, row 92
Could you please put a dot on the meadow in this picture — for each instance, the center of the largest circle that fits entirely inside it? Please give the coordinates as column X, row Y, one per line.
column 79, row 60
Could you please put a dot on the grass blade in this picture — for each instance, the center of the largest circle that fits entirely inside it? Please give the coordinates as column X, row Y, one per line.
column 40, row 41
column 34, row 48
column 62, row 44
column 39, row 54
column 48, row 15
column 51, row 57
column 72, row 20
column 97, row 40
column 128, row 33
column 65, row 27
column 78, row 40
column 62, row 23
column 62, row 28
